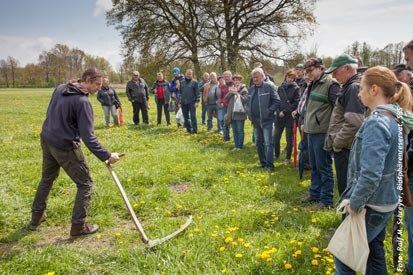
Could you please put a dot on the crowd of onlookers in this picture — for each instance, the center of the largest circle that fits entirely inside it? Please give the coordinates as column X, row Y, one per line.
column 360, row 117
column 346, row 112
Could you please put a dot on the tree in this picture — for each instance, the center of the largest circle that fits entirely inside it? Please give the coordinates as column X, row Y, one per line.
column 4, row 70
column 170, row 28
column 257, row 28
column 226, row 30
column 12, row 63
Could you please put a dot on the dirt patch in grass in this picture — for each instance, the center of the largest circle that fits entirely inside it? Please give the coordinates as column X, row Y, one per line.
column 179, row 188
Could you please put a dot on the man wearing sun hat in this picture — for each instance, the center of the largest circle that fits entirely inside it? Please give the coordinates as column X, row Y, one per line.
column 347, row 115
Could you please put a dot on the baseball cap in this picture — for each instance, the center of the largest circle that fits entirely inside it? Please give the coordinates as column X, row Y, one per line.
column 176, row 70
column 399, row 68
column 313, row 61
column 339, row 61
column 299, row 66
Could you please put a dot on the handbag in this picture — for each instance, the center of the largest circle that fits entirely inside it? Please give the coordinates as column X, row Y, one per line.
column 180, row 117
column 349, row 243
column 238, row 107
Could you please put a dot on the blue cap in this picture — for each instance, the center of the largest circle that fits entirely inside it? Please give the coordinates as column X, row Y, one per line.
column 176, row 70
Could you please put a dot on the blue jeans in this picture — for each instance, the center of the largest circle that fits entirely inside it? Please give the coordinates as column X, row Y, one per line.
column 189, row 110
column 211, row 108
column 408, row 215
column 225, row 128
column 376, row 232
column 220, row 117
column 263, row 141
column 322, row 180
column 238, row 132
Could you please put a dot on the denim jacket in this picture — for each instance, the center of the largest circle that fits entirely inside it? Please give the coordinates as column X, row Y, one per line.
column 372, row 170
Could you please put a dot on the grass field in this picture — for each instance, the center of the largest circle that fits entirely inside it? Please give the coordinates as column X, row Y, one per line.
column 246, row 221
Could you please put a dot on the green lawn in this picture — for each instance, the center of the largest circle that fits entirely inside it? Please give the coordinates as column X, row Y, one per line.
column 246, row 221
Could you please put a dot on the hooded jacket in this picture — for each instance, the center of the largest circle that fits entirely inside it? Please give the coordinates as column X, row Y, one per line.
column 69, row 118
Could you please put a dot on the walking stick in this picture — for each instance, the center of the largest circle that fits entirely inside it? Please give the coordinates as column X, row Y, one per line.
column 295, row 143
column 150, row 243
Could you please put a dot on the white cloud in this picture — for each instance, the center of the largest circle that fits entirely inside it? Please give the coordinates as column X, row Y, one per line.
column 24, row 49
column 27, row 49
column 102, row 6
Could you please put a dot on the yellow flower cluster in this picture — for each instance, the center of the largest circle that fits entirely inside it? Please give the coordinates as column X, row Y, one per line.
column 266, row 254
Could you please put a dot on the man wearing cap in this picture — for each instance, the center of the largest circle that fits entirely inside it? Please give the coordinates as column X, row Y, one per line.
column 403, row 74
column 347, row 116
column 174, row 85
column 322, row 95
column 137, row 92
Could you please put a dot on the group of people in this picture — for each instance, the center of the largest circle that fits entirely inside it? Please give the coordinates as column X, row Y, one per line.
column 359, row 119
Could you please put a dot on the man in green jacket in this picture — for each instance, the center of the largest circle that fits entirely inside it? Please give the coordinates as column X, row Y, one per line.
column 321, row 99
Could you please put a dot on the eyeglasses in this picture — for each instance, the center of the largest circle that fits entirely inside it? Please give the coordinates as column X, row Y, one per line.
column 309, row 70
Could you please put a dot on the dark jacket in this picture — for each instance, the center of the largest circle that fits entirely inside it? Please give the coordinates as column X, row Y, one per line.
column 263, row 101
column 321, row 98
column 289, row 98
column 172, row 86
column 166, row 92
column 347, row 116
column 108, row 97
column 69, row 118
column 189, row 93
column 137, row 91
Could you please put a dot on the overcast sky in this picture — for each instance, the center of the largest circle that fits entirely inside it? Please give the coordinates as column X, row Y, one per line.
column 29, row 26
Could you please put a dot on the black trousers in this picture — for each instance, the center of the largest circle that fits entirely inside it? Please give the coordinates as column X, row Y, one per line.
column 160, row 104
column 74, row 164
column 278, row 131
column 139, row 106
column 341, row 164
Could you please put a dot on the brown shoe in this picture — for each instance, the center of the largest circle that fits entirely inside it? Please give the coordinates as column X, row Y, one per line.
column 309, row 199
column 37, row 219
column 83, row 229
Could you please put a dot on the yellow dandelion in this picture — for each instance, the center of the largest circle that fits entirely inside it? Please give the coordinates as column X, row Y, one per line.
column 238, row 255
column 288, row 266
column 241, row 240
column 178, row 206
column 98, row 236
column 314, row 262
column 313, row 220
column 247, row 245
column 268, row 259
column 197, row 230
column 50, row 273
column 292, row 241
column 129, row 180
column 228, row 240
column 234, row 243
column 120, row 242
column 299, row 243
column 117, row 234
column 329, row 260
column 328, row 272
column 224, row 270
column 190, row 235
column 314, row 249
column 258, row 256
column 316, row 256
column 142, row 202
column 214, row 235
column 135, row 205
column 221, row 249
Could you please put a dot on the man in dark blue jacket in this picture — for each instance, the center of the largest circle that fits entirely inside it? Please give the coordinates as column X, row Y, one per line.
column 263, row 101
column 69, row 118
column 189, row 98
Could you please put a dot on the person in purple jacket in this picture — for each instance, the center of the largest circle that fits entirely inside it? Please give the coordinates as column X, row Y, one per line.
column 69, row 118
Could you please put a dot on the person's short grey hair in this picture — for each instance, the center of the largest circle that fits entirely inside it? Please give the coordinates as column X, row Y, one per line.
column 353, row 66
column 258, row 71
